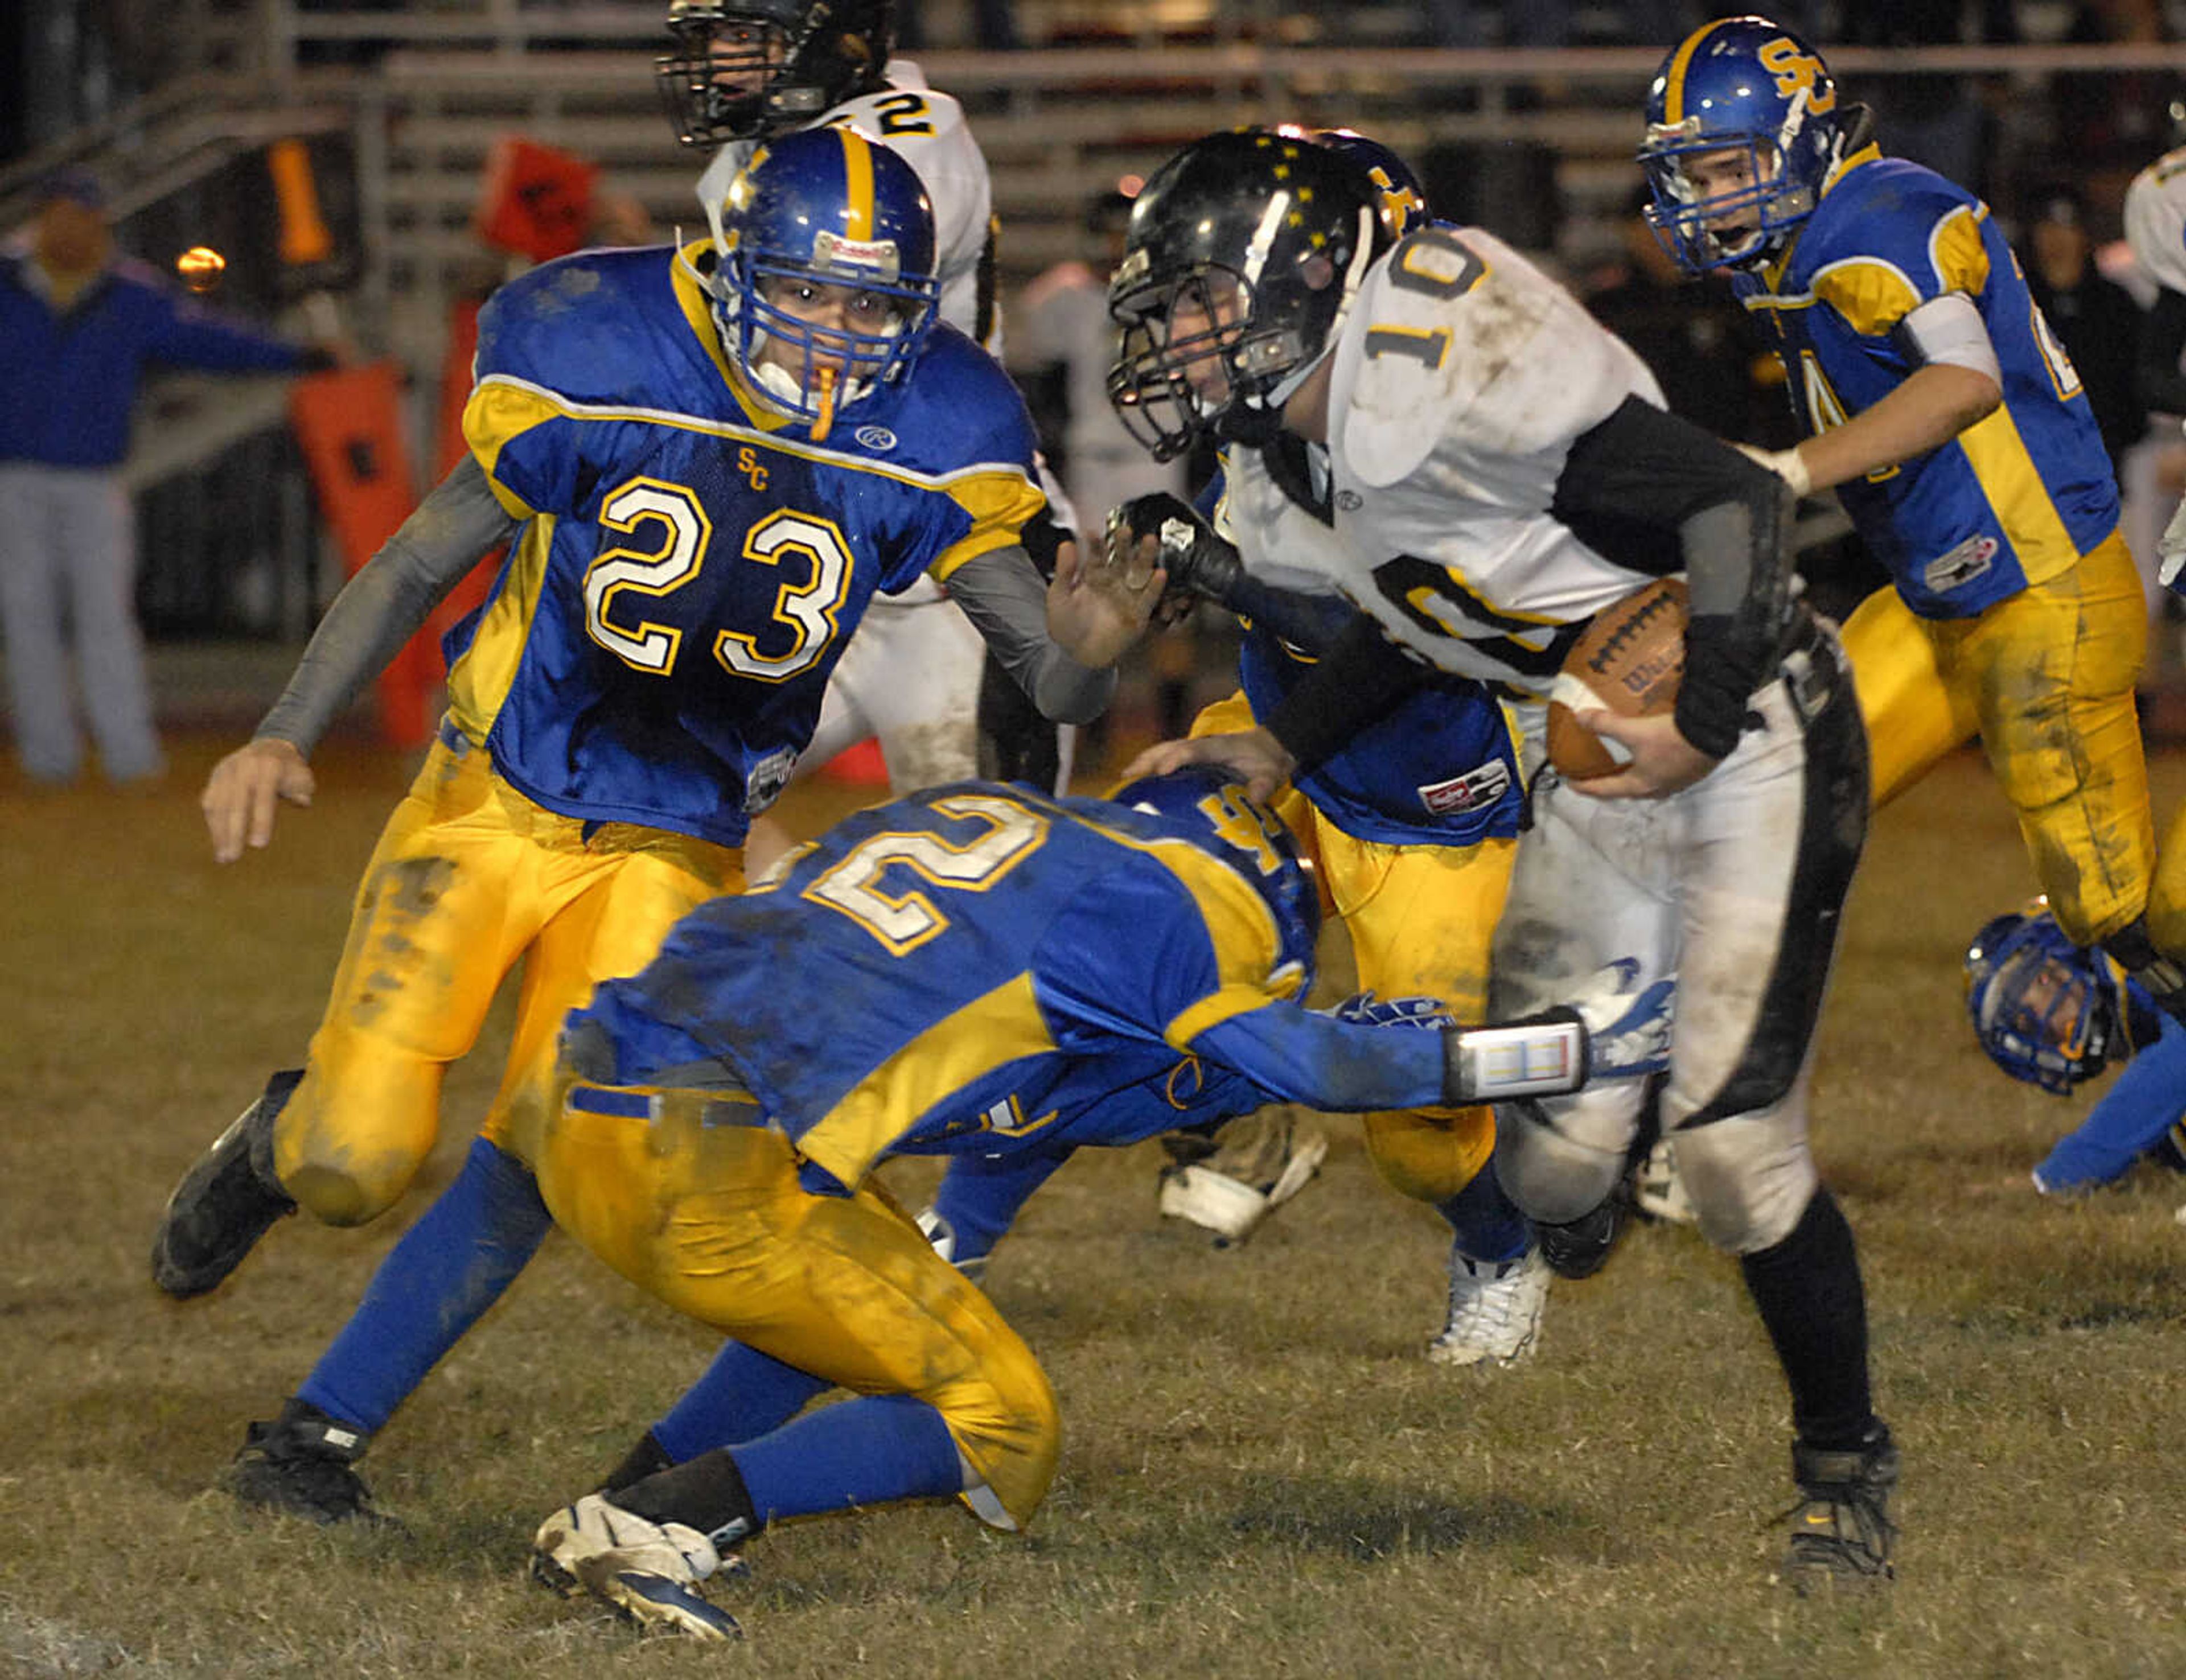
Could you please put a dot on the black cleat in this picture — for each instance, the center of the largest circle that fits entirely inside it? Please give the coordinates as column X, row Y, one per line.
column 226, row 1202
column 299, row 1466
column 1583, row 1247
column 1841, row 1531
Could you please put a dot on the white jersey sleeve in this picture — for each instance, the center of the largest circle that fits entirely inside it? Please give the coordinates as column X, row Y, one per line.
column 2156, row 220
column 928, row 131
column 1463, row 376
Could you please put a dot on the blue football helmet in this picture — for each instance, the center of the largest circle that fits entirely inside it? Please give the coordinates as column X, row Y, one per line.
column 1203, row 802
column 2045, row 1011
column 744, row 69
column 1403, row 199
column 1742, row 86
column 823, row 207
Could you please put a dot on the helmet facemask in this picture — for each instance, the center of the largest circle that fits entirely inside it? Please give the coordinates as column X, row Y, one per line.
column 1689, row 224
column 2045, row 1012
column 1207, row 354
column 749, row 71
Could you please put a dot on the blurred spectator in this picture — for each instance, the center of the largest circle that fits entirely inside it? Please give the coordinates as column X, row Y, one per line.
column 1701, row 350
column 2093, row 317
column 1061, row 343
column 993, row 26
column 1935, row 117
column 2110, row 122
column 78, row 327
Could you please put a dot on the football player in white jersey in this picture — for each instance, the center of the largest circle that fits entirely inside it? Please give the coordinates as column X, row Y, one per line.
column 740, row 71
column 1497, row 470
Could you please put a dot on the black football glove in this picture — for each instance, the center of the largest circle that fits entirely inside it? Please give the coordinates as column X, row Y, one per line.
column 1200, row 564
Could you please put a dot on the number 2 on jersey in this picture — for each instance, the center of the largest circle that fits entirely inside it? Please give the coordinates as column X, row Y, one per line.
column 807, row 601
column 904, row 918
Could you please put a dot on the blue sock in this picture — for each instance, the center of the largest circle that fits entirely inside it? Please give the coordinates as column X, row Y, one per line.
column 1488, row 1226
column 870, row 1451
column 448, row 1268
column 740, row 1396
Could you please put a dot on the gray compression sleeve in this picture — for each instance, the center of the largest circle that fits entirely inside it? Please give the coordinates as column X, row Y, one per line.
column 381, row 607
column 1005, row 599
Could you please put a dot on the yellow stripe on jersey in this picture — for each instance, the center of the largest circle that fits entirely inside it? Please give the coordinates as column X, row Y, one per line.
column 1955, row 248
column 858, row 184
column 1001, row 503
column 2015, row 490
column 1871, row 295
column 957, row 1051
column 480, row 680
column 497, row 412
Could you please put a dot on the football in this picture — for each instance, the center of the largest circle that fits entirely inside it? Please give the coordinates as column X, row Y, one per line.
column 1628, row 661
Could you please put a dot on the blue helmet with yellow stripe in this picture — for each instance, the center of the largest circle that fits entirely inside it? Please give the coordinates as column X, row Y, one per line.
column 2045, row 1011
column 824, row 285
column 1207, row 806
column 1739, row 89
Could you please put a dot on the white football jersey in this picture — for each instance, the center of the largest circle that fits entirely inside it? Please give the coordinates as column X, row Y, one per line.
column 1463, row 374
column 927, row 130
column 2156, row 220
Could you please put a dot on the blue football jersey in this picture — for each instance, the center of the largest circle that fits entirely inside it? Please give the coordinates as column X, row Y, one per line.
column 981, row 969
column 1441, row 769
column 2014, row 498
column 656, row 645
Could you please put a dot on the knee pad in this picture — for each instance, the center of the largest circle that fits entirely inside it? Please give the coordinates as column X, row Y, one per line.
column 1561, row 1160
column 1749, row 1178
column 345, row 1161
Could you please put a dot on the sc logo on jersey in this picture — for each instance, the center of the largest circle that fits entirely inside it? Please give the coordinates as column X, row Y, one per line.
column 877, row 439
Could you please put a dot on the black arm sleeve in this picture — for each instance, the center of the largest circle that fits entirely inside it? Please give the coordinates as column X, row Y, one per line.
column 458, row 525
column 1360, row 681
column 2158, row 382
column 1644, row 486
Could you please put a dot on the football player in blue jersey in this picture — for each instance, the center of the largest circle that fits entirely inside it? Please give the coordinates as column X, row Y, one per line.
column 1950, row 423
column 2056, row 1015
column 1412, row 827
column 714, row 456
column 980, row 971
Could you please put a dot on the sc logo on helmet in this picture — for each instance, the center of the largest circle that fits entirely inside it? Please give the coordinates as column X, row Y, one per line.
column 1799, row 71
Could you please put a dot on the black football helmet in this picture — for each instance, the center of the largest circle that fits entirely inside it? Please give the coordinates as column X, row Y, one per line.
column 1243, row 254
column 745, row 70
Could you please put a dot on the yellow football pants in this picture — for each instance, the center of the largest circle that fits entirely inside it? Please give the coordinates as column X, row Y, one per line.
column 1421, row 919
column 469, row 875
column 711, row 1219
column 2047, row 679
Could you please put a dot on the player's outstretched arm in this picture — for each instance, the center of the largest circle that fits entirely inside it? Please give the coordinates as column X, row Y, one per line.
column 379, row 609
column 1103, row 599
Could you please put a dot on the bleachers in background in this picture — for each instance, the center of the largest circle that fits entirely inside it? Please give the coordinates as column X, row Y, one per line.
column 403, row 102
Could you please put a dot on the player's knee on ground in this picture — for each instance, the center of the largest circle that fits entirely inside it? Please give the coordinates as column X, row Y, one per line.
column 1749, row 1178
column 354, row 1135
column 1005, row 1423
column 1560, row 1161
column 1430, row 1156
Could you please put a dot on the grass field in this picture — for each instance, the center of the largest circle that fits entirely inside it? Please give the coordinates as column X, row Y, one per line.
column 1260, row 1476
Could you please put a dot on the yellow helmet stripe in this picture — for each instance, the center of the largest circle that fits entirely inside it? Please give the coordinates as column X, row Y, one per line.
column 858, row 183
column 1673, row 95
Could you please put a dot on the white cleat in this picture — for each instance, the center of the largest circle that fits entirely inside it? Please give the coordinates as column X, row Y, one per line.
column 647, row 1571
column 1494, row 1311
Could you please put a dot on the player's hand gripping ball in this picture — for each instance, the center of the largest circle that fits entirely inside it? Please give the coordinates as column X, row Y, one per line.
column 1629, row 661
column 201, row 267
